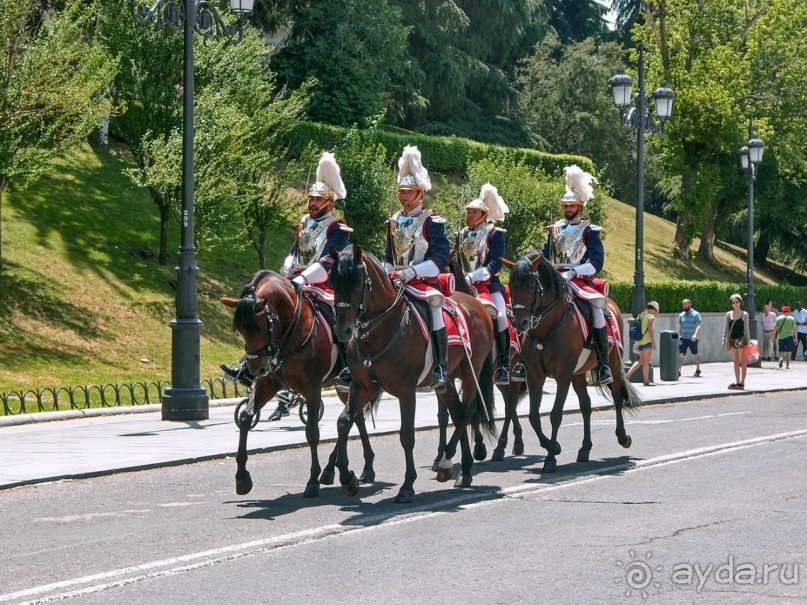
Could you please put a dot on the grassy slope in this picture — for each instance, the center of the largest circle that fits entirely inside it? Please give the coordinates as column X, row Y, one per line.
column 83, row 300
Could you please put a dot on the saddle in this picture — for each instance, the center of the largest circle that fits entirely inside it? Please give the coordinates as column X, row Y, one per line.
column 453, row 318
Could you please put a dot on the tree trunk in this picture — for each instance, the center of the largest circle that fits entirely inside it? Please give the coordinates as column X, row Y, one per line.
column 706, row 252
column 762, row 247
column 681, row 249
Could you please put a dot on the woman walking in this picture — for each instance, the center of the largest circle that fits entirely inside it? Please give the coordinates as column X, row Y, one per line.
column 736, row 334
column 646, row 344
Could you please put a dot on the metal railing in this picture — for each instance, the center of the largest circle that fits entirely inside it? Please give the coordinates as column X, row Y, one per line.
column 54, row 399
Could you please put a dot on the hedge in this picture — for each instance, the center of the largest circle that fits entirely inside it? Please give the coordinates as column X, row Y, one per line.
column 706, row 296
column 440, row 154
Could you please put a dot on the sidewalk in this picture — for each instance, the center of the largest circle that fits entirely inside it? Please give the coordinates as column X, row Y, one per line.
column 36, row 448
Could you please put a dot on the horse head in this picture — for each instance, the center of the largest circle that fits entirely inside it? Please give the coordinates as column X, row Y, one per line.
column 351, row 286
column 259, row 312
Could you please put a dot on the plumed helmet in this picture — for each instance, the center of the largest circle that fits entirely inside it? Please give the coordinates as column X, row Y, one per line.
column 490, row 202
column 411, row 173
column 578, row 185
column 329, row 183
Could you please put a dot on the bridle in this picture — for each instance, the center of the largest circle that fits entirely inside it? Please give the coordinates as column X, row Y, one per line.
column 364, row 328
column 273, row 349
column 537, row 313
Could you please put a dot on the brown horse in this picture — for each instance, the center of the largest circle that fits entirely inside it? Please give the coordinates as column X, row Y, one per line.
column 389, row 351
column 512, row 393
column 543, row 308
column 288, row 346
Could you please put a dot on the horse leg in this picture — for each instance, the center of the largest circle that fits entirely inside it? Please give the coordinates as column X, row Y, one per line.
column 313, row 401
column 518, row 438
column 367, row 473
column 501, row 444
column 556, row 417
column 619, row 390
column 329, row 472
column 465, row 479
column 347, row 478
column 243, row 480
column 442, row 423
column 480, row 449
column 446, row 465
column 406, row 494
column 585, row 412
column 536, row 389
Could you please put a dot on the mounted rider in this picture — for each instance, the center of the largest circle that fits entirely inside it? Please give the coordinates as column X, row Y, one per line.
column 575, row 248
column 418, row 250
column 309, row 260
column 481, row 246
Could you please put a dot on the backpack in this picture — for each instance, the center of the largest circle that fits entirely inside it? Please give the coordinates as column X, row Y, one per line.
column 636, row 328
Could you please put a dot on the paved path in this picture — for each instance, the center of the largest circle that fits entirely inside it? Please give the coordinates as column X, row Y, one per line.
column 51, row 446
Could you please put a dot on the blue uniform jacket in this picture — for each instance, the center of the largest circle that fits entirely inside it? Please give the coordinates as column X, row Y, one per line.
column 439, row 249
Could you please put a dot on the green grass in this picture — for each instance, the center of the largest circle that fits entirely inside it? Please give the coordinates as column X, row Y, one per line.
column 83, row 300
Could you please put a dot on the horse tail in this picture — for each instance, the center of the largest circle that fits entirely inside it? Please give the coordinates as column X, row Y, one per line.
column 484, row 403
column 631, row 400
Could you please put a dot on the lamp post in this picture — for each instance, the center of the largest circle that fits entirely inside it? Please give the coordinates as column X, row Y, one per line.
column 642, row 122
column 185, row 399
column 750, row 159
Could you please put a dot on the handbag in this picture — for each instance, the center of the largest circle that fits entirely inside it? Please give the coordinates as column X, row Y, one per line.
column 751, row 352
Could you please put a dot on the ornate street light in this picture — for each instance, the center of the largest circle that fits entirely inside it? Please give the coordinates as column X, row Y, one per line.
column 185, row 399
column 750, row 159
column 639, row 119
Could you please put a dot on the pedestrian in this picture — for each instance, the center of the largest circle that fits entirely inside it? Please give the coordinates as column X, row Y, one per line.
column 785, row 332
column 800, row 315
column 736, row 335
column 646, row 344
column 689, row 329
column 769, row 347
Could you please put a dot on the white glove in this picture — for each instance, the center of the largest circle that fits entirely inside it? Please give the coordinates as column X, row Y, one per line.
column 481, row 274
column 406, row 274
column 388, row 267
column 585, row 270
column 569, row 275
column 299, row 279
column 468, row 279
column 285, row 270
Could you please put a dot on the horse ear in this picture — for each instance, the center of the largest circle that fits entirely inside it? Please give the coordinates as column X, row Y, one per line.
column 537, row 260
column 334, row 254
column 507, row 263
column 229, row 301
column 356, row 252
column 260, row 303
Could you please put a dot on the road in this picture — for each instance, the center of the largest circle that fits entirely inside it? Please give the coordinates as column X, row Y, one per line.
column 708, row 506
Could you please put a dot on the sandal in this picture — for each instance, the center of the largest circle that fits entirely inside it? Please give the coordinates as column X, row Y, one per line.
column 740, row 386
column 733, row 385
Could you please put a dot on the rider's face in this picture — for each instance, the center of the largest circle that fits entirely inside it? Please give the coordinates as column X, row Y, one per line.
column 409, row 198
column 474, row 218
column 319, row 206
column 571, row 210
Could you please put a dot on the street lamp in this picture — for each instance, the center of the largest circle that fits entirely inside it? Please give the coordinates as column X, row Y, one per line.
column 750, row 159
column 185, row 399
column 641, row 121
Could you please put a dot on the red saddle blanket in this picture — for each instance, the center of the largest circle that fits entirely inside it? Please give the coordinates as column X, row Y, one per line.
column 611, row 326
column 485, row 297
column 456, row 331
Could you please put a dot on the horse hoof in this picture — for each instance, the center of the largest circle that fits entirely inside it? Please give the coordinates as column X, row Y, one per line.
column 351, row 488
column 243, row 485
column 311, row 490
column 327, row 477
column 464, row 481
column 582, row 456
column 444, row 474
column 554, row 448
column 549, row 466
column 480, row 452
column 625, row 441
column 405, row 496
column 518, row 449
column 367, row 476
column 436, row 463
column 498, row 455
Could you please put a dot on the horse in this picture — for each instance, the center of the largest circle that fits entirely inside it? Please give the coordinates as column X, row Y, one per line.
column 288, row 345
column 512, row 393
column 543, row 309
column 389, row 350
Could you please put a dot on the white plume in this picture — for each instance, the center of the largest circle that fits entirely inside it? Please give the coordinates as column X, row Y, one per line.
column 410, row 164
column 494, row 202
column 329, row 173
column 579, row 183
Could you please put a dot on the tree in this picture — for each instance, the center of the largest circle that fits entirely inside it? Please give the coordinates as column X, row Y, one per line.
column 52, row 76
column 576, row 20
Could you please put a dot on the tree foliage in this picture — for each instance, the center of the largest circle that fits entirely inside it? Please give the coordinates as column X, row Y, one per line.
column 52, row 79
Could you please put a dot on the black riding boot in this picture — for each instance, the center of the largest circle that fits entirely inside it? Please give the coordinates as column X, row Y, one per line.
column 600, row 342
column 238, row 373
column 502, row 374
column 342, row 379
column 440, row 353
column 285, row 401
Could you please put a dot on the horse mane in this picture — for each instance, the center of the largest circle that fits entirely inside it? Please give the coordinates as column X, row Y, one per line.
column 345, row 276
column 245, row 319
column 550, row 278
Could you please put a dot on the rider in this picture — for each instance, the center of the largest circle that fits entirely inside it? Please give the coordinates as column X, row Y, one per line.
column 575, row 248
column 481, row 247
column 418, row 250
column 309, row 259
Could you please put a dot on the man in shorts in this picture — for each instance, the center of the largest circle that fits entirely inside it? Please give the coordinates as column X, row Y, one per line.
column 689, row 329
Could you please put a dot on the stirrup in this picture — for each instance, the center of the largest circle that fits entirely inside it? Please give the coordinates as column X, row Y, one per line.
column 501, row 377
column 342, row 380
column 604, row 376
column 439, row 381
column 518, row 373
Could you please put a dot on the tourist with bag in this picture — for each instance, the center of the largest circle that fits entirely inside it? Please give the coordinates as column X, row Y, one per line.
column 736, row 335
column 646, row 344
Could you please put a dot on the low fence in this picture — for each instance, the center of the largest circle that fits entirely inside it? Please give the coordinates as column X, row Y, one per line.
column 54, row 399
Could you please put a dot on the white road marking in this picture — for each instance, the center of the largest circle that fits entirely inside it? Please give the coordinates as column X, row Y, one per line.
column 674, row 421
column 175, row 565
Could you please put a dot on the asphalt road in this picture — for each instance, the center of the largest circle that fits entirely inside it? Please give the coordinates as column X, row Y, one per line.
column 708, row 506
